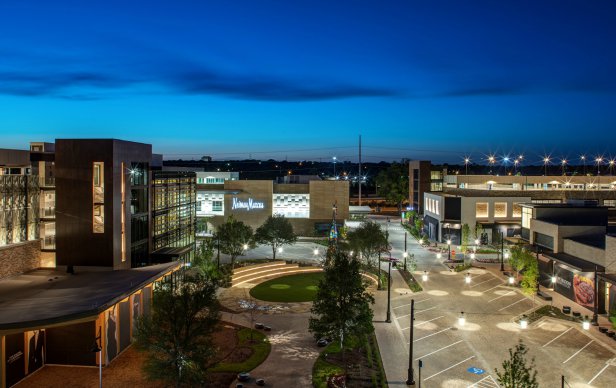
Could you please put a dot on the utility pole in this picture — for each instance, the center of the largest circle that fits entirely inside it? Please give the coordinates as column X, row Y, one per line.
column 360, row 177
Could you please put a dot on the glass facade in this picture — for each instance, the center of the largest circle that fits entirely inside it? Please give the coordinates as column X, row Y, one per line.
column 139, row 210
column 19, row 208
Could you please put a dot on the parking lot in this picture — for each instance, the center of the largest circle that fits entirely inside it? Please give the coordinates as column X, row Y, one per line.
column 463, row 356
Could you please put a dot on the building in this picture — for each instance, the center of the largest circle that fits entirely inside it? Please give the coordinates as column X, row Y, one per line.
column 308, row 206
column 423, row 177
column 575, row 252
column 445, row 215
column 122, row 227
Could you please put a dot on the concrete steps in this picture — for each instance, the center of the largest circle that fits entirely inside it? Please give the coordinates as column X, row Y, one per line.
column 269, row 270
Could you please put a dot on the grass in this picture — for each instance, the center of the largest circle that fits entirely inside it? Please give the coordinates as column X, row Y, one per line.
column 291, row 288
column 260, row 350
column 462, row 267
column 552, row 312
column 410, row 280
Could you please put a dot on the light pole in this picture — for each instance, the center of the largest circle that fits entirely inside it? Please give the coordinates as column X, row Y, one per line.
column 599, row 160
column 564, row 165
column 583, row 158
column 546, row 161
column 467, row 160
column 388, row 320
column 491, row 160
column 410, row 379
column 334, row 158
column 502, row 252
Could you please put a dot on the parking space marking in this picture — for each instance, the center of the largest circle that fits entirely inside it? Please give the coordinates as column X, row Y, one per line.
column 502, row 296
column 597, row 375
column 478, row 284
column 408, row 304
column 490, row 289
column 436, row 351
column 512, row 304
column 576, row 353
column 430, row 335
column 419, row 324
column 557, row 337
column 445, row 370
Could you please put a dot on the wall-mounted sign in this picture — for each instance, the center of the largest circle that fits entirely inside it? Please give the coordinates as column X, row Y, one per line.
column 248, row 205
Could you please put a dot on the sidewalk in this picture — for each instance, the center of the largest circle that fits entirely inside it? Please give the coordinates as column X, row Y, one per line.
column 392, row 344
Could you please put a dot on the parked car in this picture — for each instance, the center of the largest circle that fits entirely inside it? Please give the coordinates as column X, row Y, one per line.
column 258, row 325
column 323, row 342
column 243, row 377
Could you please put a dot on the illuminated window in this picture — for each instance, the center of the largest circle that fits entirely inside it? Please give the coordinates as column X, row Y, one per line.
column 516, row 210
column 216, row 206
column 527, row 214
column 481, row 210
column 98, row 197
column 500, row 209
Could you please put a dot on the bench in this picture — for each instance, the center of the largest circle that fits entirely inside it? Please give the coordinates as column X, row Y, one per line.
column 544, row 295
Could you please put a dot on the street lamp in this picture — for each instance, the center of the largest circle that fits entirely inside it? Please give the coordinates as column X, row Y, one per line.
column 599, row 160
column 564, row 164
column 502, row 251
column 448, row 250
column 461, row 319
column 546, row 161
column 334, row 158
column 583, row 159
column 405, row 255
column 491, row 160
column 467, row 160
column 410, row 378
column 388, row 320
column 515, row 166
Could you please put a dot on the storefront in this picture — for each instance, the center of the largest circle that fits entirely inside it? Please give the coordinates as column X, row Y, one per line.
column 609, row 290
column 573, row 278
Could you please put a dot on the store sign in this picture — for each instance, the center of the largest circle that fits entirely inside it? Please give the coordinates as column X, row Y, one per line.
column 577, row 286
column 248, row 205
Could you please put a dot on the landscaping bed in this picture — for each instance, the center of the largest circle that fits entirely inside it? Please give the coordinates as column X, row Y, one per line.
column 551, row 312
column 362, row 362
column 410, row 280
column 288, row 289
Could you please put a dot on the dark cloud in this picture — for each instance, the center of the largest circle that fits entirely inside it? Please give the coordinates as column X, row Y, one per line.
column 481, row 91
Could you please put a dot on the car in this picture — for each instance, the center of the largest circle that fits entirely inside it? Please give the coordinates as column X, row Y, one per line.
column 322, row 342
column 267, row 328
column 243, row 377
column 258, row 325
column 260, row 382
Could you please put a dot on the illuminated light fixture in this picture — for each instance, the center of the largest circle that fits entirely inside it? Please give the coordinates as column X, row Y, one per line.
column 405, row 254
column 476, row 241
column 462, row 319
column 421, row 241
column 586, row 323
column 280, row 250
column 506, row 159
column 524, row 322
column 473, row 256
column 448, row 242
column 245, row 247
column 506, row 255
column 467, row 279
column 511, row 280
column 553, row 279
column 439, row 255
column 316, row 252
column 424, row 277
column 351, row 253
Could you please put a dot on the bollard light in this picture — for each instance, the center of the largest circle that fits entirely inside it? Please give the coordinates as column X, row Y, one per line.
column 245, row 247
column 524, row 322
column 439, row 255
column 421, row 241
column 424, row 277
column 473, row 256
column 476, row 241
column 586, row 323
column 316, row 252
column 511, row 280
column 461, row 319
column 468, row 278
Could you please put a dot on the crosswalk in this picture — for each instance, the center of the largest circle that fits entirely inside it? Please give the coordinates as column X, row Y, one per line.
column 486, row 382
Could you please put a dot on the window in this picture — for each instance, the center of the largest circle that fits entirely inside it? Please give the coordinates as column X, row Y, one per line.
column 98, row 174
column 609, row 202
column 99, row 219
column 217, row 206
column 500, row 209
column 516, row 210
column 481, row 210
column 98, row 197
column 527, row 214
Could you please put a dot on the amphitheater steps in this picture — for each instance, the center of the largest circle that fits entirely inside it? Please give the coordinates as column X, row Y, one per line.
column 269, row 270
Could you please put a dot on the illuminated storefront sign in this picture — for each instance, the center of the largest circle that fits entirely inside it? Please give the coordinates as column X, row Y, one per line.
column 248, row 205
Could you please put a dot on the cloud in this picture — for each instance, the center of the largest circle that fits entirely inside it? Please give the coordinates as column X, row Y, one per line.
column 481, row 91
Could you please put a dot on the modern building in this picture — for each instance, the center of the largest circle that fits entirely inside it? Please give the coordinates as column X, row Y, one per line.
column 122, row 226
column 307, row 205
column 423, row 177
column 445, row 215
column 576, row 255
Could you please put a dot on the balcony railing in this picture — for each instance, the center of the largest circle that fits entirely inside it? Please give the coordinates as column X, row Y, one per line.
column 47, row 212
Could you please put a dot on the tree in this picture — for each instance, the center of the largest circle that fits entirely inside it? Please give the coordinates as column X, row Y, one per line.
column 516, row 374
column 177, row 332
column 275, row 231
column 520, row 258
column 342, row 304
column 368, row 240
column 466, row 236
column 234, row 235
column 394, row 182
column 530, row 277
column 477, row 231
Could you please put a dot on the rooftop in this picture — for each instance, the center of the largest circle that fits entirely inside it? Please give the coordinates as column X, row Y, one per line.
column 592, row 241
column 43, row 297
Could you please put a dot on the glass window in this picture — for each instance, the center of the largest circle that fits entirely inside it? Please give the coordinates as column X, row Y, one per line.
column 97, row 175
column 500, row 209
column 481, row 210
column 217, row 206
column 527, row 214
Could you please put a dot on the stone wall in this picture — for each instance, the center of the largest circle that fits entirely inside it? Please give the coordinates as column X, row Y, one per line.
column 19, row 258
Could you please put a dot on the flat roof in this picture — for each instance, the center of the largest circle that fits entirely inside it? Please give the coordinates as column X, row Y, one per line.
column 592, row 241
column 573, row 261
column 43, row 297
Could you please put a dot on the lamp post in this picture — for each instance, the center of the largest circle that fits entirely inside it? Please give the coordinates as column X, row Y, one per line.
column 599, row 160
column 405, row 255
column 218, row 250
column 546, row 161
column 491, row 160
column 388, row 320
column 564, row 165
column 583, row 158
column 448, row 250
column 410, row 379
column 466, row 162
column 502, row 252
column 334, row 158
column 595, row 310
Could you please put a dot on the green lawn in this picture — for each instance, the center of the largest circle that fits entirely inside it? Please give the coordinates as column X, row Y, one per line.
column 291, row 288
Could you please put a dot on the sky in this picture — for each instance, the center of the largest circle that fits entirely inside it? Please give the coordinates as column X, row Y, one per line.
column 303, row 79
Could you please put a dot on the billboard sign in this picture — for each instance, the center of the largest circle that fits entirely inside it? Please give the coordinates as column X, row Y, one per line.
column 577, row 286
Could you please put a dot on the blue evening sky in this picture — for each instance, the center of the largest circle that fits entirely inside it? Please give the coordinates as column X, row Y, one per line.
column 302, row 79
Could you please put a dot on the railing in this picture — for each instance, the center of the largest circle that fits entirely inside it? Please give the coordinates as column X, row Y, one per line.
column 48, row 242
column 47, row 212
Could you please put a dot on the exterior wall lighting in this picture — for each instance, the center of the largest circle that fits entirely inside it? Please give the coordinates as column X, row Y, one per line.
column 461, row 319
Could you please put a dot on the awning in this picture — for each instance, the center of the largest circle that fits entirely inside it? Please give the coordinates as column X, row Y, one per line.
column 170, row 253
column 574, row 262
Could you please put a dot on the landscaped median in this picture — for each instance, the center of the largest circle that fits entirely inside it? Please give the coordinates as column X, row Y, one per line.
column 251, row 350
column 363, row 361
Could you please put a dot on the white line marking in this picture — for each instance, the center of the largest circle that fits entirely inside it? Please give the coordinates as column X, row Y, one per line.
column 502, row 296
column 445, row 370
column 436, row 351
column 478, row 284
column 490, row 289
column 512, row 304
column 557, row 337
column 433, row 319
column 430, row 335
column 421, row 311
column 597, row 375
column 576, row 353
column 408, row 304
